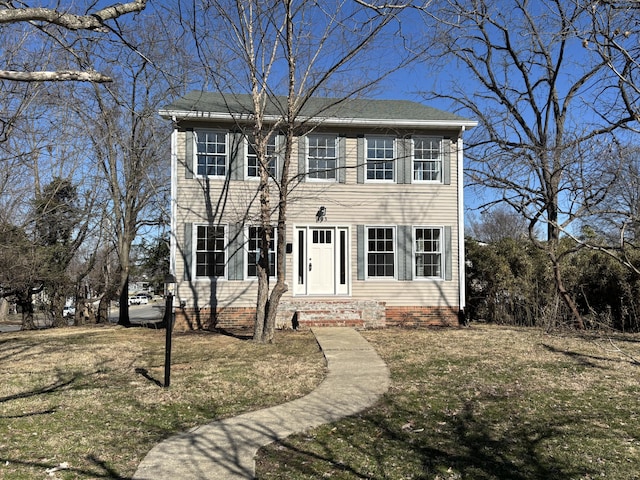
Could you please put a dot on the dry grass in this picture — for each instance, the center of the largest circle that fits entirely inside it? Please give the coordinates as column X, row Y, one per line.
column 478, row 403
column 484, row 403
column 91, row 396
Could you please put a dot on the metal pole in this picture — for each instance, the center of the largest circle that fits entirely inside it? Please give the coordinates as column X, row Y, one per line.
column 168, row 322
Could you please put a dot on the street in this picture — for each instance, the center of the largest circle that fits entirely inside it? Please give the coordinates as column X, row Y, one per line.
column 138, row 314
column 141, row 314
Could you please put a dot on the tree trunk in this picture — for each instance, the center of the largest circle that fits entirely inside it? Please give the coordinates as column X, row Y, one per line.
column 4, row 308
column 56, row 308
column 566, row 296
column 274, row 300
column 103, row 309
column 261, row 306
column 553, row 237
column 24, row 302
column 123, row 317
column 281, row 253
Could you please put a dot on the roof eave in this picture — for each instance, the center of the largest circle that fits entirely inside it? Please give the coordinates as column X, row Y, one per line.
column 330, row 121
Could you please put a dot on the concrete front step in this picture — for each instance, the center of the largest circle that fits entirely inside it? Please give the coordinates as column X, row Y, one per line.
column 331, row 313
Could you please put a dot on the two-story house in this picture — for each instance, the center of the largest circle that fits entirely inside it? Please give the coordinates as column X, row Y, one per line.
column 374, row 223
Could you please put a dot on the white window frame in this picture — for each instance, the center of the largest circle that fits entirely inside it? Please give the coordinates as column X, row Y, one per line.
column 336, row 158
column 394, row 243
column 273, row 157
column 392, row 160
column 197, row 250
column 248, row 252
column 441, row 252
column 439, row 160
column 197, row 135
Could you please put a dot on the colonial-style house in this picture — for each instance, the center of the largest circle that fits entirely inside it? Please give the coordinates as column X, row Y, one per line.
column 375, row 219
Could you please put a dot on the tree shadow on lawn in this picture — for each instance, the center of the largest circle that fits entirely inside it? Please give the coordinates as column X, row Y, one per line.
column 103, row 470
column 54, row 387
column 587, row 360
column 463, row 445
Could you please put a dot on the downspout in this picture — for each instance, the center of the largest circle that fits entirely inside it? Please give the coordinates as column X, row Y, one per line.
column 173, row 200
column 461, row 255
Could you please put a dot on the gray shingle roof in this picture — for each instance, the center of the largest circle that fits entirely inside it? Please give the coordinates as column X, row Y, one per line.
column 207, row 104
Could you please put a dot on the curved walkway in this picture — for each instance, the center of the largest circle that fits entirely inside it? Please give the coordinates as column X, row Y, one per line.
column 226, row 449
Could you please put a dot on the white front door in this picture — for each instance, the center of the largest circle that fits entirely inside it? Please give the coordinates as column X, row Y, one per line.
column 321, row 262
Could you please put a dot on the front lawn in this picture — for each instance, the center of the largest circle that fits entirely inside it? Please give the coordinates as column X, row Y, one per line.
column 89, row 400
column 476, row 403
column 484, row 403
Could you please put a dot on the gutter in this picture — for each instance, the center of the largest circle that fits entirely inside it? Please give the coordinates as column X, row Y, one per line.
column 330, row 121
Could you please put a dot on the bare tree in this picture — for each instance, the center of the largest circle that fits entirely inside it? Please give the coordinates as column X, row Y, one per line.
column 44, row 195
column 546, row 109
column 283, row 54
column 131, row 143
column 613, row 35
column 498, row 223
column 613, row 226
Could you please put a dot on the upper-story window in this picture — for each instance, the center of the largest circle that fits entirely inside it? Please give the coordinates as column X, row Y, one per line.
column 322, row 157
column 427, row 159
column 210, row 251
column 212, row 153
column 428, row 252
column 253, row 170
column 380, row 158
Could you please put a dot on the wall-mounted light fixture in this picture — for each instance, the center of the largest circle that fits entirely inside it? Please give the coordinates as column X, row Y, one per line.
column 321, row 214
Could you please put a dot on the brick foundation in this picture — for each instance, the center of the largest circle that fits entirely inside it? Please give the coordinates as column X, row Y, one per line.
column 417, row 316
column 204, row 319
column 320, row 313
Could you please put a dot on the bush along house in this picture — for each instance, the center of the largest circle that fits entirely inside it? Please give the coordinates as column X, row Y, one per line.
column 374, row 217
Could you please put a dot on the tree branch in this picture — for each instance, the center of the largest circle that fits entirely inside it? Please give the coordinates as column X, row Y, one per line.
column 59, row 76
column 94, row 21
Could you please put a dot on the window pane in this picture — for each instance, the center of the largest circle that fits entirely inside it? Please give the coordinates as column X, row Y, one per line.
column 428, row 252
column 210, row 251
column 343, row 257
column 427, row 164
column 252, row 157
column 380, row 254
column 322, row 157
column 212, row 153
column 380, row 156
column 253, row 252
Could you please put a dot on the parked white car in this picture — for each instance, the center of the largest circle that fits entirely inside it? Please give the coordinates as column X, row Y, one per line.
column 138, row 300
column 68, row 311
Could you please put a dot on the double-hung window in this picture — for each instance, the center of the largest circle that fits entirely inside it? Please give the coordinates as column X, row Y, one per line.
column 322, row 156
column 380, row 158
column 428, row 252
column 253, row 251
column 210, row 251
column 380, row 252
column 211, row 153
column 253, row 167
column 427, row 159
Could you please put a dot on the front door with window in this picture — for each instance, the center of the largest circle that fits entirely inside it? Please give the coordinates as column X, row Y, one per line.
column 322, row 261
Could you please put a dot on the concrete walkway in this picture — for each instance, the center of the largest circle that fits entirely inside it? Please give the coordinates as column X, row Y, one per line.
column 226, row 449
